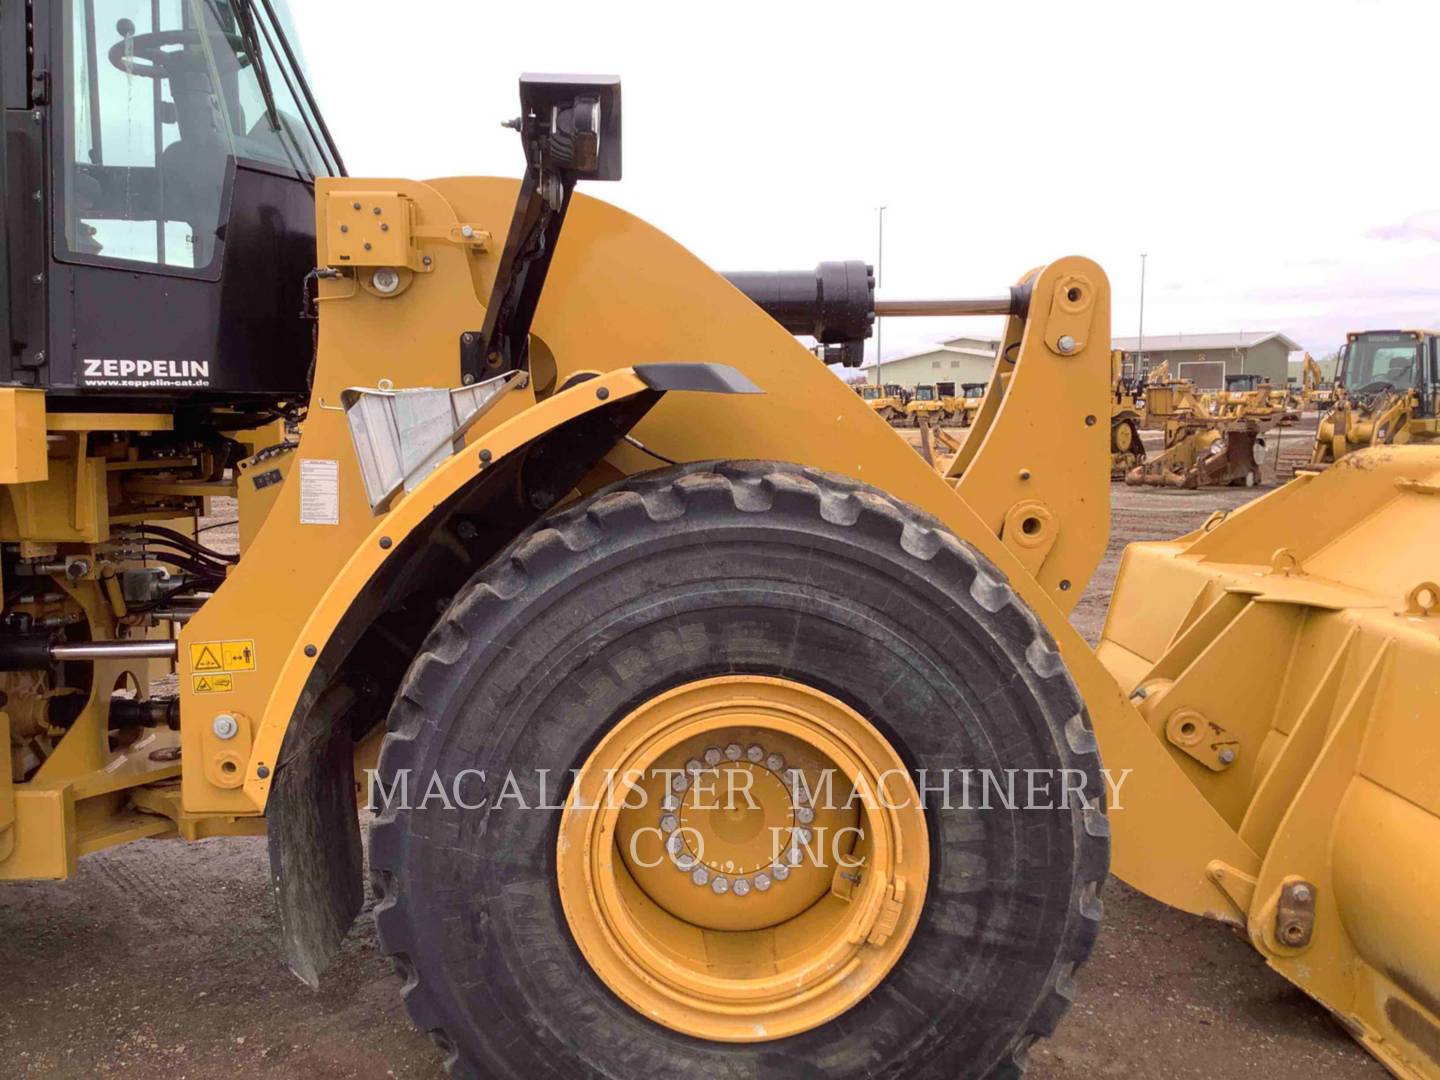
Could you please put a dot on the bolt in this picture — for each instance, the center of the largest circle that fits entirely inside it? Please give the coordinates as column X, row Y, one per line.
column 38, row 279
column 224, row 726
column 263, row 771
column 427, row 260
column 344, row 228
column 385, row 543
column 602, row 393
column 384, row 226
column 367, row 245
column 485, row 457
column 1024, row 474
column 468, row 379
column 468, row 338
column 357, row 206
column 1300, row 894
column 310, row 650
column 1064, row 584
column 467, row 231
column 1066, row 344
column 377, row 211
column 1227, row 756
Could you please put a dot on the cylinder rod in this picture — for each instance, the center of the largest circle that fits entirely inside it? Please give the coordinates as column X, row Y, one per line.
column 985, row 305
column 116, row 650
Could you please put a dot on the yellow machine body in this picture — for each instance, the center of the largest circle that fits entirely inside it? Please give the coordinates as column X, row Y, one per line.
column 1207, row 443
column 1385, row 414
column 1127, row 413
column 1278, row 633
column 1288, row 655
column 888, row 401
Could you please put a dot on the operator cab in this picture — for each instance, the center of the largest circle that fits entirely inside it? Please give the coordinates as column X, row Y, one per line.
column 1240, row 384
column 1391, row 361
column 159, row 216
column 925, row 393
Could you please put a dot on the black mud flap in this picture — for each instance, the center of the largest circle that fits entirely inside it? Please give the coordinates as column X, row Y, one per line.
column 316, row 864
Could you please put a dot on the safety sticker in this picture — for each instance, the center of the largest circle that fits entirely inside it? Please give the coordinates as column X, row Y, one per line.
column 319, row 492
column 220, row 683
column 223, row 656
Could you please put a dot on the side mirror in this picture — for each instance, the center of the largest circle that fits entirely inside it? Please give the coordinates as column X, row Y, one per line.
column 571, row 124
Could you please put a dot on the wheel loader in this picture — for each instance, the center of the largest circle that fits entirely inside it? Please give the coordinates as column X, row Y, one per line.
column 1388, row 393
column 548, row 532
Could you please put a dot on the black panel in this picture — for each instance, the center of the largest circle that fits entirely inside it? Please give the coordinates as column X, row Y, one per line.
column 241, row 337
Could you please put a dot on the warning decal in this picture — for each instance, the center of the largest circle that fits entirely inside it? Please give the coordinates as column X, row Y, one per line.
column 223, row 656
column 205, row 658
column 220, row 683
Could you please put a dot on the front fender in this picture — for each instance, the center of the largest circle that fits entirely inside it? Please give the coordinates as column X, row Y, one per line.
column 553, row 444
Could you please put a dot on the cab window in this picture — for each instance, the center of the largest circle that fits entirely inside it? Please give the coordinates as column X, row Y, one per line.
column 162, row 96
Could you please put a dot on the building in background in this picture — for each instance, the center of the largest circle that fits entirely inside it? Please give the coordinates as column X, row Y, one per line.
column 1205, row 359
column 959, row 360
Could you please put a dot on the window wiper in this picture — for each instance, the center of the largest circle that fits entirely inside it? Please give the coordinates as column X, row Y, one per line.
column 257, row 60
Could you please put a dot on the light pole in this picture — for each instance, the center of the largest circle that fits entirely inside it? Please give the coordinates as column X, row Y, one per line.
column 879, row 280
column 1140, row 345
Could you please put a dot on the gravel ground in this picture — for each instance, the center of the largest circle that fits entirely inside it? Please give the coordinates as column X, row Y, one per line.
column 158, row 960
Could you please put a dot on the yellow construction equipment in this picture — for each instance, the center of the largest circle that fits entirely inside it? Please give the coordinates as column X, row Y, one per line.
column 709, row 729
column 1389, row 394
column 972, row 395
column 1205, row 445
column 926, row 405
column 888, row 401
column 1127, row 412
column 1316, row 392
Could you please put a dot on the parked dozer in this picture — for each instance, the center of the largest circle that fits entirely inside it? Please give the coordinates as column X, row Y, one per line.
column 888, row 401
column 1389, row 394
column 925, row 407
column 549, row 533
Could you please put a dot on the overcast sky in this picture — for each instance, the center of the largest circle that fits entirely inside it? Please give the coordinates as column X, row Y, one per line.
column 1277, row 161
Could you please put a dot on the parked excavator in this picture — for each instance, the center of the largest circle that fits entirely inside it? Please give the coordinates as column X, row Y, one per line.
column 1316, row 392
column 1389, row 394
column 549, row 532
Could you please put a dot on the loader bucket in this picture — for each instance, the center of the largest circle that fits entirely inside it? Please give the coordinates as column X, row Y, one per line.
column 1287, row 656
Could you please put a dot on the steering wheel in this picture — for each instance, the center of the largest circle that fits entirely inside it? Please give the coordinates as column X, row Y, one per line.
column 132, row 48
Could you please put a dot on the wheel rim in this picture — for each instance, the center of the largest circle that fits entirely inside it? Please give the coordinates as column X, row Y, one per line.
column 788, row 941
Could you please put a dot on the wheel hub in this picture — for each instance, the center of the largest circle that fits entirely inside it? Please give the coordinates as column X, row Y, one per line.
column 742, row 858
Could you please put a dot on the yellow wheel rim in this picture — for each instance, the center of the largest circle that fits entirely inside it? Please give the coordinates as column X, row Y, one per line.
column 743, row 858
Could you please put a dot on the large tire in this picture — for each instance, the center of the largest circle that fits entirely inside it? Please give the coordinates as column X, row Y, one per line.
column 704, row 570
